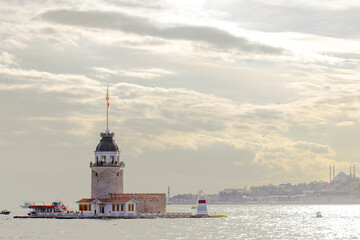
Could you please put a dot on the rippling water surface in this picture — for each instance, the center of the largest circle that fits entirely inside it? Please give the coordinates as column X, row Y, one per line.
column 243, row 222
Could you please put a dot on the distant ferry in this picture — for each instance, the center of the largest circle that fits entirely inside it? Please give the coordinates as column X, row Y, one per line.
column 55, row 207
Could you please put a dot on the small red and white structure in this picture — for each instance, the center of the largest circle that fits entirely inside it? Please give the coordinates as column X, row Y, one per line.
column 55, row 207
column 201, row 209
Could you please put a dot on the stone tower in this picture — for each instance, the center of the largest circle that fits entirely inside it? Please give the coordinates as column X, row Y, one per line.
column 107, row 169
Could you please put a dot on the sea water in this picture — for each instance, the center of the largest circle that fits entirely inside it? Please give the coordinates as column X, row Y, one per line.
column 242, row 222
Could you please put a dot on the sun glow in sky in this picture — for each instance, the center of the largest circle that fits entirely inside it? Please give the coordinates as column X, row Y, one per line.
column 203, row 94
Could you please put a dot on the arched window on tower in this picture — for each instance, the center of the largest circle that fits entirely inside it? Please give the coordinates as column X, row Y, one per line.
column 103, row 159
column 112, row 159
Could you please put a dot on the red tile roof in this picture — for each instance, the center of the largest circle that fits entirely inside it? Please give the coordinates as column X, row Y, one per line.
column 86, row 200
column 89, row 200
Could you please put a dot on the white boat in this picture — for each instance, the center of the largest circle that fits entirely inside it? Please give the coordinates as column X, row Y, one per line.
column 26, row 204
column 319, row 214
column 55, row 207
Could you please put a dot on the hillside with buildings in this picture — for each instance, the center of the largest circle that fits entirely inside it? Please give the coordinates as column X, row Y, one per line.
column 341, row 189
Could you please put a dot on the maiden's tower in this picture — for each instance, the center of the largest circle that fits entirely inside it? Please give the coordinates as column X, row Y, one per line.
column 108, row 199
column 107, row 169
column 107, row 196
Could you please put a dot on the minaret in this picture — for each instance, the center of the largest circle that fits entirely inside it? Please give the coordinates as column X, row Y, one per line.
column 168, row 199
column 330, row 173
column 333, row 171
column 107, row 169
column 350, row 171
column 354, row 175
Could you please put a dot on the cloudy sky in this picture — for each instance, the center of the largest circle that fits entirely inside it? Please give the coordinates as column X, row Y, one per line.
column 203, row 94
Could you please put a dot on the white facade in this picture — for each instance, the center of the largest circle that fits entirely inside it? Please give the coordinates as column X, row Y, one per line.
column 116, row 208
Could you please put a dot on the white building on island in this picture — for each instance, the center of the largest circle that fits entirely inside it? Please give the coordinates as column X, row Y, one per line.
column 107, row 206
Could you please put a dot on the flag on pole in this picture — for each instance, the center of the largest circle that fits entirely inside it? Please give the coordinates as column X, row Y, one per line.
column 108, row 104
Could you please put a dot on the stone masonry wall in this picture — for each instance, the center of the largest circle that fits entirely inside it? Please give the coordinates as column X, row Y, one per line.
column 147, row 202
column 106, row 180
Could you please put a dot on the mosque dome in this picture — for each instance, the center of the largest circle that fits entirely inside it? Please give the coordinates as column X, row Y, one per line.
column 107, row 143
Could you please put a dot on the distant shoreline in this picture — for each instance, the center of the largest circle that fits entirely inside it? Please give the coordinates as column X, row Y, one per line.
column 295, row 200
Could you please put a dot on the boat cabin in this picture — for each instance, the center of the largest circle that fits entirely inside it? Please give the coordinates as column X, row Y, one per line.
column 55, row 207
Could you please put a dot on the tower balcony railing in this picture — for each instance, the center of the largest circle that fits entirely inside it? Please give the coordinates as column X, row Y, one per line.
column 107, row 164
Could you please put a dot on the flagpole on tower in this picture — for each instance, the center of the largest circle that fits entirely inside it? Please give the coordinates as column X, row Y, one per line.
column 107, row 110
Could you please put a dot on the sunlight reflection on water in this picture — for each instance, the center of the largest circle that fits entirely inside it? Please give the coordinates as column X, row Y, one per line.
column 243, row 222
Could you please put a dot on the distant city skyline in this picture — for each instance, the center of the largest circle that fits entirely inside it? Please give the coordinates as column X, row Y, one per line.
column 203, row 94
